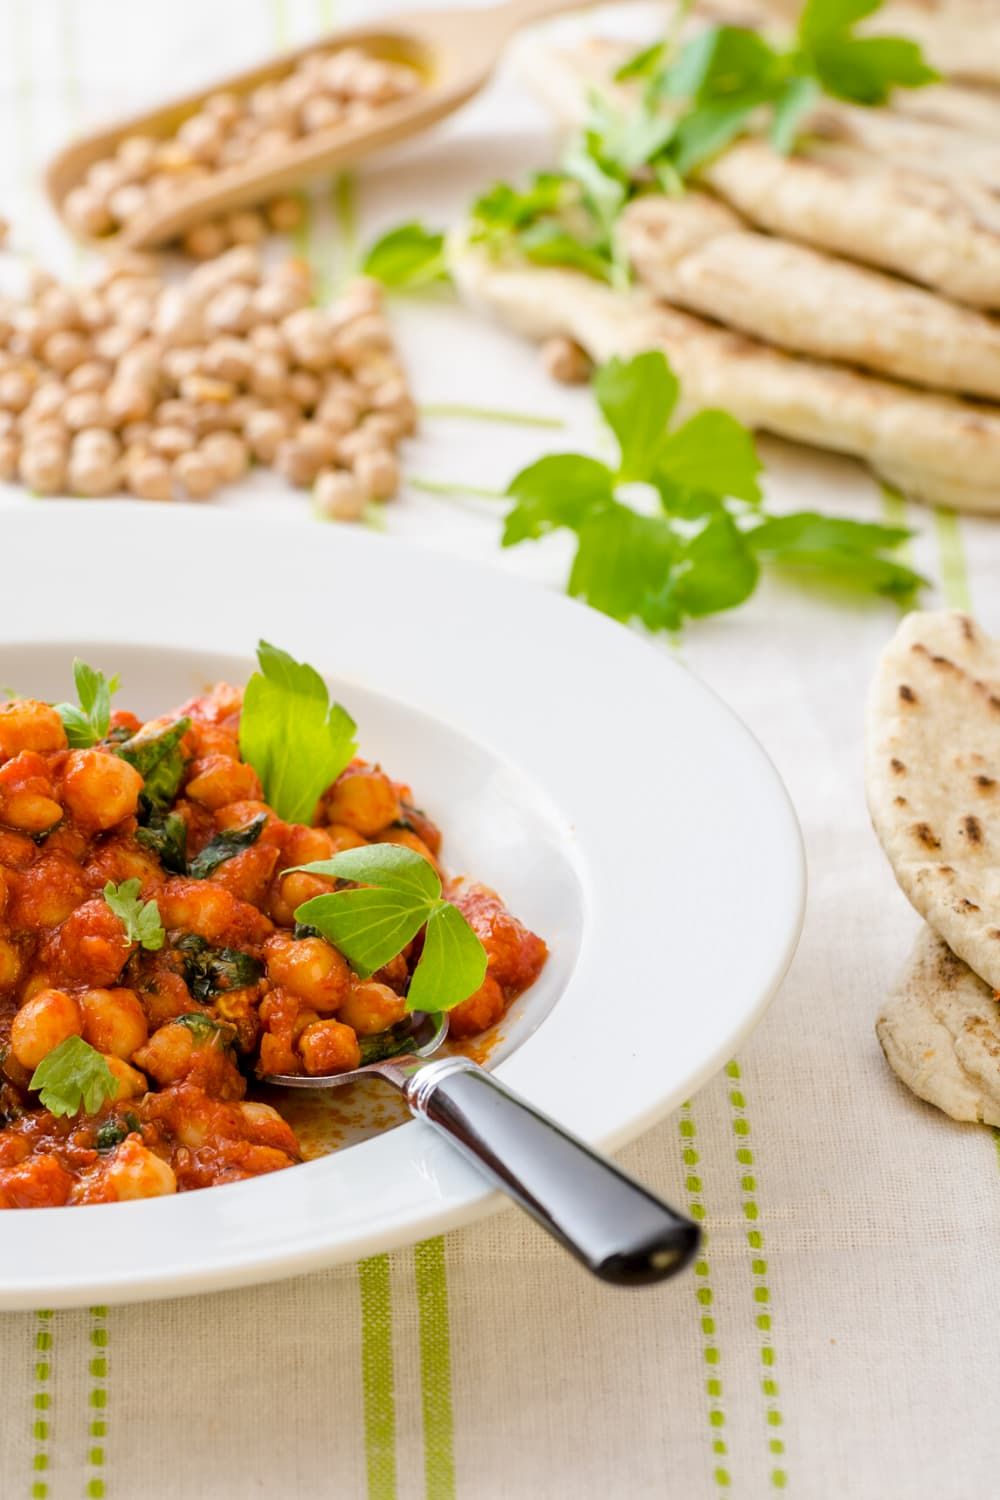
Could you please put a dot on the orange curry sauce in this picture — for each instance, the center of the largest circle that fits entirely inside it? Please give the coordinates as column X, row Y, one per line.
column 232, row 993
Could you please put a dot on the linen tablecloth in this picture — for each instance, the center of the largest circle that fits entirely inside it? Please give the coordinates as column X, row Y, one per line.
column 837, row 1335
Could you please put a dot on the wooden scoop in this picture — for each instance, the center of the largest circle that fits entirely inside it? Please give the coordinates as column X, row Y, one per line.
column 453, row 51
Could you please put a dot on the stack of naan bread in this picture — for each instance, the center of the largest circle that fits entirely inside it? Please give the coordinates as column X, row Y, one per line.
column 933, row 780
column 844, row 296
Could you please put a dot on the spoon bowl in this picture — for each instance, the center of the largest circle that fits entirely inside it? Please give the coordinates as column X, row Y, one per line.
column 453, row 53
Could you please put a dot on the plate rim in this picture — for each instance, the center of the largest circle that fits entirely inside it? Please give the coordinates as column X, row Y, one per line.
column 466, row 1197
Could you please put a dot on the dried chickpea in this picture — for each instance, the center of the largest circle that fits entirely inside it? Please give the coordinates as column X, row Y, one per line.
column 205, row 241
column 42, row 466
column 265, row 431
column 84, row 409
column 16, row 388
column 339, row 496
column 377, row 473
column 565, row 361
column 245, row 227
column 228, row 454
column 93, row 475
column 87, row 212
column 171, row 441
column 285, row 214
column 90, row 375
column 197, row 475
column 10, row 450
column 150, row 478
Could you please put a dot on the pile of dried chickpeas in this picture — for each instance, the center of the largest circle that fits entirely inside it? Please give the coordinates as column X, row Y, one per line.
column 172, row 389
column 325, row 89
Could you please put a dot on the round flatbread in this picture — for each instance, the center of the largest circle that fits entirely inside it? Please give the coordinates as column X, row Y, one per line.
column 940, row 1032
column 933, row 778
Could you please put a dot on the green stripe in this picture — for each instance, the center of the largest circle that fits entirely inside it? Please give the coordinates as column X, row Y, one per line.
column 97, row 1404
column 41, row 1406
column 773, row 1417
column 704, row 1297
column 435, row 1369
column 954, row 577
column 377, row 1377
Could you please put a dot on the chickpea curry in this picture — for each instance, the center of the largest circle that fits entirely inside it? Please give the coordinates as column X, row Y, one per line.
column 195, row 902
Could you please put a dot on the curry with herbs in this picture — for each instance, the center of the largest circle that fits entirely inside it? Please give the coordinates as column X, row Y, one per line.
column 157, row 954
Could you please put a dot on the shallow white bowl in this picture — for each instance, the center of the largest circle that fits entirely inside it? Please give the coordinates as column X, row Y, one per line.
column 618, row 806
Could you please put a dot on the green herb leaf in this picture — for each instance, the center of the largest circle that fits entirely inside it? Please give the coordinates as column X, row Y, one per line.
column 88, row 723
column 407, row 257
column 644, row 64
column 559, row 490
column 822, row 19
column 141, row 919
column 835, row 552
column 295, row 739
column 225, row 845
column 111, row 1132
column 721, row 61
column 791, row 106
column 452, row 965
column 72, row 1077
column 214, row 971
column 166, row 836
column 205, row 1028
column 158, row 756
column 865, row 70
column 712, row 452
column 372, row 924
column 637, row 397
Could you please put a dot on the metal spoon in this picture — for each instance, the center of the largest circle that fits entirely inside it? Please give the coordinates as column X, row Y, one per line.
column 608, row 1221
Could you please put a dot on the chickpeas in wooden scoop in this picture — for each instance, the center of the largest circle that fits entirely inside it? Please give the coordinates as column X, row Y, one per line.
column 172, row 390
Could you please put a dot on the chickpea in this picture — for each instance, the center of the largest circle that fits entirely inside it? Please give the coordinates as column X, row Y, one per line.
column 364, row 798
column 277, row 300
column 356, row 443
column 42, row 467
column 311, row 969
column 84, row 409
column 26, row 724
column 137, row 153
column 127, row 202
column 202, row 134
column 10, row 451
column 304, row 389
column 361, row 338
column 168, row 1055
column 227, row 454
column 337, row 414
column 93, row 475
column 285, row 214
column 329, row 1047
column 377, row 473
column 136, row 1172
column 230, row 310
column 565, row 361
column 320, row 113
column 205, row 241
column 290, row 891
column 310, row 338
column 47, row 400
column 219, row 780
column 87, row 212
column 197, row 475
column 10, row 964
column 339, row 495
column 113, row 1021
column 269, row 374
column 16, row 388
column 172, row 441
column 245, row 227
column 42, row 1024
column 150, row 478
column 371, row 1007
column 65, row 349
column 100, row 789
column 227, row 358
column 90, row 375
column 479, row 1011
column 343, row 837
column 224, row 107
column 131, row 1083
column 297, row 462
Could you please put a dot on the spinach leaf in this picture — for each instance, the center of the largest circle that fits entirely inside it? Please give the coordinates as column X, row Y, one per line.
column 211, row 971
column 389, row 1043
column 160, row 761
column 166, row 836
column 230, row 842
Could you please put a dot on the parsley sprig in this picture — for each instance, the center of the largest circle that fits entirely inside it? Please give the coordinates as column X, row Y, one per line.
column 399, row 892
column 406, row 257
column 676, row 527
column 88, row 722
column 694, row 102
column 141, row 919
column 74, row 1076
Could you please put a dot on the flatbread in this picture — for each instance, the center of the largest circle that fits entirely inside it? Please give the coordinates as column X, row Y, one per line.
column 936, row 448
column 921, row 200
column 933, row 778
column 940, row 1032
column 698, row 254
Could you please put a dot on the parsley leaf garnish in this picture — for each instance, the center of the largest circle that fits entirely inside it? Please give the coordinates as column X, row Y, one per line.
column 74, row 1076
column 678, row 526
column 407, row 257
column 297, row 741
column 88, row 723
column 141, row 919
column 400, row 893
column 691, row 104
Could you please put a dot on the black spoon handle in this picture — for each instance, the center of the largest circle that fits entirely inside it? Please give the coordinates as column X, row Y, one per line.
column 620, row 1232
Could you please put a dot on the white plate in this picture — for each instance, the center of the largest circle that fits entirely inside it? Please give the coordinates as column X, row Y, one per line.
column 619, row 807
